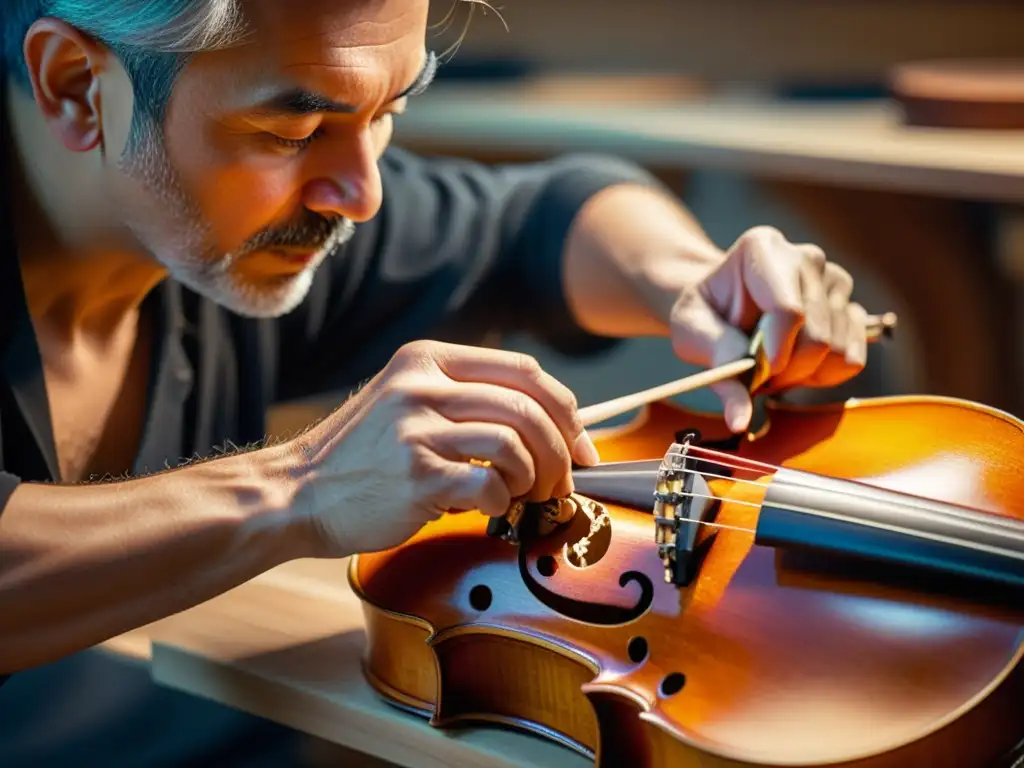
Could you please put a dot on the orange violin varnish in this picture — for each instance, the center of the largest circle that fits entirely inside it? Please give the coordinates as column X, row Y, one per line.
column 764, row 658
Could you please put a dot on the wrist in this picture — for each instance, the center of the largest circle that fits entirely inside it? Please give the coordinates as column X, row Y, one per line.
column 259, row 491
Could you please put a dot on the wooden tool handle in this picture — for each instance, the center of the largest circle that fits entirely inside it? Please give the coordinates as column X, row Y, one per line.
column 879, row 327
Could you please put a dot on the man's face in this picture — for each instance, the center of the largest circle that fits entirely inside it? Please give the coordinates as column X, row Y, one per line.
column 268, row 155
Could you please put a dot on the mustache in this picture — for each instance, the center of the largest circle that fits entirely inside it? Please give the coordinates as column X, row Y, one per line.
column 312, row 231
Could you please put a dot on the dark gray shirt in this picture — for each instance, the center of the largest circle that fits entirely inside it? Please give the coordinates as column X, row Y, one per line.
column 458, row 250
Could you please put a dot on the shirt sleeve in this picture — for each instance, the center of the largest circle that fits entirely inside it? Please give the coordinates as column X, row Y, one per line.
column 8, row 483
column 458, row 251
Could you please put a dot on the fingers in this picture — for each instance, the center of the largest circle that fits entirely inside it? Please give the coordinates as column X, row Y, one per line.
column 736, row 402
column 812, row 343
column 775, row 274
column 812, row 335
column 849, row 352
column 497, row 444
column 833, row 351
column 463, row 486
column 701, row 336
column 498, row 406
column 524, row 374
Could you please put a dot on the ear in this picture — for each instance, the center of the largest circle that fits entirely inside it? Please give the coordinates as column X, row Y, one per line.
column 64, row 66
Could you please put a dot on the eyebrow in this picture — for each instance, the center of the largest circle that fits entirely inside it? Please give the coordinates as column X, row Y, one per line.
column 299, row 102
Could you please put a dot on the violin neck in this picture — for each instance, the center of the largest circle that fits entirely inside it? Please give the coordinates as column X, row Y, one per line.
column 805, row 510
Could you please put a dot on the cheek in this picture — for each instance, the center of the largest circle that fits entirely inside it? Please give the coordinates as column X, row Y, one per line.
column 238, row 193
column 242, row 198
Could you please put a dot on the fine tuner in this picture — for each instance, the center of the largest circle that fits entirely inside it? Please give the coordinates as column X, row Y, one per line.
column 754, row 370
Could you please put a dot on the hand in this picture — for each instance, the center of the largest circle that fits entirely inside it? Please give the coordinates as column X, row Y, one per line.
column 397, row 455
column 814, row 335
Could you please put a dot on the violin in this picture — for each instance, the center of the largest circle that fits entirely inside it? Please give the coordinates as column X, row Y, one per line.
column 843, row 586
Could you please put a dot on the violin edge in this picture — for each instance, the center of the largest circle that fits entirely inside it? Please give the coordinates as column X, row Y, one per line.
column 775, row 405
column 968, row 721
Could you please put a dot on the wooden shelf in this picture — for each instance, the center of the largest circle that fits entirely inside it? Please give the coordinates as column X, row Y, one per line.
column 854, row 145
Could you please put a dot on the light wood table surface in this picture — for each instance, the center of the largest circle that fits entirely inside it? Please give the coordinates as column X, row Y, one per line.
column 854, row 144
column 287, row 646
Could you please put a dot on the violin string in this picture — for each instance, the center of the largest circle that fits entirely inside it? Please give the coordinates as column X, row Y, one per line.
column 699, row 455
column 790, row 508
column 722, row 458
column 1005, row 522
column 725, row 461
column 694, row 495
column 723, row 526
column 758, row 483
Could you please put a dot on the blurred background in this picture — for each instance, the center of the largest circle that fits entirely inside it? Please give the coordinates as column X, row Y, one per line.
column 890, row 132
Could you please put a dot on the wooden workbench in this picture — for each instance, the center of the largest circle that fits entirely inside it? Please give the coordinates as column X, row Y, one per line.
column 851, row 145
column 287, row 646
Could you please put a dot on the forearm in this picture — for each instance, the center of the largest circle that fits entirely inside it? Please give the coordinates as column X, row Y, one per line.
column 82, row 564
column 630, row 252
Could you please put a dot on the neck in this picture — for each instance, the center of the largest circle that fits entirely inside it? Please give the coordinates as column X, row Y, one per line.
column 81, row 273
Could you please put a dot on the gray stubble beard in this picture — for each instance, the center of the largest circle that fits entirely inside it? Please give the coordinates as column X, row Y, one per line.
column 195, row 262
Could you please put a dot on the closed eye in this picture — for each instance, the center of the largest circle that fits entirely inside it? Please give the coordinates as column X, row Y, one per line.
column 298, row 143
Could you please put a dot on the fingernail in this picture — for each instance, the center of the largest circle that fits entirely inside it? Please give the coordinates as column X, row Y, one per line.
column 585, row 452
column 737, row 416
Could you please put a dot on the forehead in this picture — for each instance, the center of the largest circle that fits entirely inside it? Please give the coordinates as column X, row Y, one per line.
column 362, row 49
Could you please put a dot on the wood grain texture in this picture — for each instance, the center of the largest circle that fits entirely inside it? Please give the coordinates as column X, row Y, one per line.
column 777, row 664
column 288, row 646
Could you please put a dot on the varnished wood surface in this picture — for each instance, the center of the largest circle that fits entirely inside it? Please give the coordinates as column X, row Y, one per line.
column 287, row 646
column 860, row 145
column 780, row 664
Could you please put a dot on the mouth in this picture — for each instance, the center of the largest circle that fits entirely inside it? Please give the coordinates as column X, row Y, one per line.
column 297, row 256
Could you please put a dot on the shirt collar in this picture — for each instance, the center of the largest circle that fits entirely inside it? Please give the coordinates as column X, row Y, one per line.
column 171, row 376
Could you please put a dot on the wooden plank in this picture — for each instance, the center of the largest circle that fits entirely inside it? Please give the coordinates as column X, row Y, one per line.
column 858, row 145
column 287, row 646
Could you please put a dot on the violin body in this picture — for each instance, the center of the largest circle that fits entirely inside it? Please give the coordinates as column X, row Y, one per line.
column 762, row 659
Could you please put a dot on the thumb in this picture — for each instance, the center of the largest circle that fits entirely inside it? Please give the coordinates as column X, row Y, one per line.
column 739, row 408
column 703, row 337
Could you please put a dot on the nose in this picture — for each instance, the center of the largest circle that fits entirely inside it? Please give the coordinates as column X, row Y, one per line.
column 344, row 179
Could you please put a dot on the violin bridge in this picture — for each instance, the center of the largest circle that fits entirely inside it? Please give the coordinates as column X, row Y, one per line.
column 679, row 508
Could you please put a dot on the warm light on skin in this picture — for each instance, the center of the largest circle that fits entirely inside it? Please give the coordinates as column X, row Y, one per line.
column 231, row 178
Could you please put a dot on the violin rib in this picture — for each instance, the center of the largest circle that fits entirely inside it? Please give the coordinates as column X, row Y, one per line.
column 770, row 655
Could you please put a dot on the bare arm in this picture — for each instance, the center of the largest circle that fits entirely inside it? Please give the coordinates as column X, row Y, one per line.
column 630, row 252
column 82, row 564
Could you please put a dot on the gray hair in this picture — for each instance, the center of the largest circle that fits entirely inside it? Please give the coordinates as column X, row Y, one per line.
column 153, row 38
